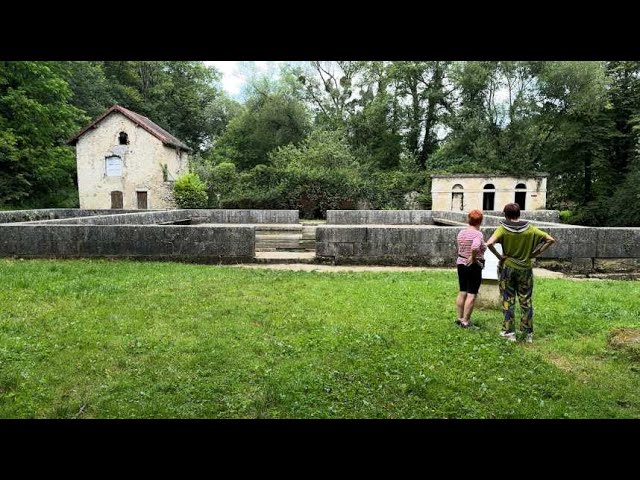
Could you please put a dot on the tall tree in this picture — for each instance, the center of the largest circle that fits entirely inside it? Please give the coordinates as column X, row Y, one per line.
column 424, row 87
column 329, row 88
column 374, row 126
column 174, row 94
column 579, row 129
column 268, row 121
column 36, row 118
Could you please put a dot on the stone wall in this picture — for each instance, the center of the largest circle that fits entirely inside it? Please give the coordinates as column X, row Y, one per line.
column 244, row 216
column 577, row 249
column 549, row 216
column 138, row 217
column 146, row 217
column 382, row 217
column 494, row 220
column 210, row 244
column 424, row 217
column 54, row 213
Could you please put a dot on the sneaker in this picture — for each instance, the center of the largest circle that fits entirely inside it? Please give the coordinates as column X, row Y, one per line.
column 511, row 336
column 529, row 338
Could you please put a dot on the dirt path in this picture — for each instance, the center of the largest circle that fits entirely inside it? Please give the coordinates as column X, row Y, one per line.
column 307, row 267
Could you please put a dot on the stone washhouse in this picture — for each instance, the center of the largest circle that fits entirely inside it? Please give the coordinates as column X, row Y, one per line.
column 126, row 161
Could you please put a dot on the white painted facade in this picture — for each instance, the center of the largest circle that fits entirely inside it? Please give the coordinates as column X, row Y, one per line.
column 106, row 166
column 487, row 192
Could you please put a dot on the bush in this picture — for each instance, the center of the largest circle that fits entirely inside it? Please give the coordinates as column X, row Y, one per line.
column 313, row 193
column 388, row 190
column 565, row 215
column 190, row 192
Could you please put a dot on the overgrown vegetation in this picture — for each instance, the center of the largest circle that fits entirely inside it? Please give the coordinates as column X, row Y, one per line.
column 190, row 192
column 343, row 134
column 104, row 339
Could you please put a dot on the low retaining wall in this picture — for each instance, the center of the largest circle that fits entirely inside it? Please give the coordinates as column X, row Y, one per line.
column 243, row 216
column 136, row 218
column 379, row 217
column 548, row 216
column 220, row 244
column 578, row 249
column 54, row 213
column 493, row 220
column 425, row 217
column 197, row 216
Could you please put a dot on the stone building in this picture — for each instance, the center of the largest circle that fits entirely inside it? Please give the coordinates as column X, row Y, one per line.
column 127, row 161
column 464, row 192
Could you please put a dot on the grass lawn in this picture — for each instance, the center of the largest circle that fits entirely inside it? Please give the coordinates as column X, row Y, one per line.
column 107, row 339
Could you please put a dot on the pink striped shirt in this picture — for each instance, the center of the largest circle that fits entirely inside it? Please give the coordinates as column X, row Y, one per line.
column 470, row 239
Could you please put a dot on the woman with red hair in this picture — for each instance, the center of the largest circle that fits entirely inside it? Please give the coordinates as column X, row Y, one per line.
column 470, row 261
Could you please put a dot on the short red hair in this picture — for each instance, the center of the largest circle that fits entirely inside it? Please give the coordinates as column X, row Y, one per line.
column 475, row 217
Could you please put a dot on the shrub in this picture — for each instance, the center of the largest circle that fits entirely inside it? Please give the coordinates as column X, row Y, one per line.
column 190, row 192
column 565, row 215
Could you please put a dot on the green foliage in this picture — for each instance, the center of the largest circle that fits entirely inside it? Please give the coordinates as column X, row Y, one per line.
column 565, row 216
column 387, row 190
column 623, row 207
column 315, row 192
column 177, row 95
column 92, row 92
column 266, row 123
column 190, row 191
column 321, row 151
column 367, row 131
column 258, row 188
column 36, row 118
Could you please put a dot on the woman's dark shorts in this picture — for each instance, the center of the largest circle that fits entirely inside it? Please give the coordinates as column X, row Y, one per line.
column 470, row 278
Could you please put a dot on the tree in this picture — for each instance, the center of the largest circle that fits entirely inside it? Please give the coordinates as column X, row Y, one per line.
column 92, row 92
column 423, row 86
column 176, row 95
column 374, row 126
column 267, row 122
column 328, row 87
column 578, row 128
column 36, row 118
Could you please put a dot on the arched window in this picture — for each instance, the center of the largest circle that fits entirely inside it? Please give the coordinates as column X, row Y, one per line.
column 116, row 199
column 489, row 197
column 521, row 196
column 457, row 198
column 123, row 138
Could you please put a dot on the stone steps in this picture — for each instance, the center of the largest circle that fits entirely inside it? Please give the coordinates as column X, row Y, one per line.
column 285, row 238
column 285, row 257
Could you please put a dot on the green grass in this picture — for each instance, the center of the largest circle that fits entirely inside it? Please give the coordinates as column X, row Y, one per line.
column 105, row 339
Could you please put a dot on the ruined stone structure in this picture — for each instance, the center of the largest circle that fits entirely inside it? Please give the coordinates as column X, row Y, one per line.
column 428, row 238
column 464, row 192
column 126, row 161
column 376, row 237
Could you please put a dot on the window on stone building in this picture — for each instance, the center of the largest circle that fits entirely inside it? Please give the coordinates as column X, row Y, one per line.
column 457, row 198
column 113, row 166
column 521, row 196
column 489, row 197
column 123, row 138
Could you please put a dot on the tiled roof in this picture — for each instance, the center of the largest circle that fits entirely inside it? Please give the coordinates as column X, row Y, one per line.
column 151, row 127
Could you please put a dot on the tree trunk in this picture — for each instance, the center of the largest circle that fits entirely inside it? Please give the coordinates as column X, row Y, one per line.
column 430, row 141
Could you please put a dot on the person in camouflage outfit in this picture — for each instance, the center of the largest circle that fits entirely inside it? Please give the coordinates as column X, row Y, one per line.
column 520, row 242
